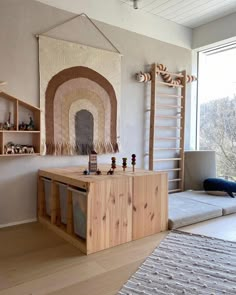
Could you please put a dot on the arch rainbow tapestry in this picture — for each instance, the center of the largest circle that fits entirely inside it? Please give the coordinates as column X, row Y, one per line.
column 79, row 97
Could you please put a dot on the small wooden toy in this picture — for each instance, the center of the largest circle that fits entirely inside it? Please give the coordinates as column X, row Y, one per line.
column 85, row 172
column 110, row 172
column 133, row 161
column 92, row 162
column 31, row 124
column 113, row 163
column 124, row 164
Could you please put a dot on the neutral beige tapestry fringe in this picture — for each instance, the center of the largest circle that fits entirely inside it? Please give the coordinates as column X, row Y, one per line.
column 63, row 149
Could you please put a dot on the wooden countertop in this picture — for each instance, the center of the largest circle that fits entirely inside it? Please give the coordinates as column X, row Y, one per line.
column 74, row 175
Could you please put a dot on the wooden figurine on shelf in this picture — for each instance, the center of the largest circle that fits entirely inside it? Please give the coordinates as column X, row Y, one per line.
column 133, row 161
column 31, row 124
column 9, row 148
column 18, row 149
column 124, row 164
column 7, row 125
column 30, row 149
column 113, row 163
column 22, row 126
column 93, row 162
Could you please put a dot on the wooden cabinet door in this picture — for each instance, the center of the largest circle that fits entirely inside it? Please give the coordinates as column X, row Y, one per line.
column 109, row 214
column 150, row 204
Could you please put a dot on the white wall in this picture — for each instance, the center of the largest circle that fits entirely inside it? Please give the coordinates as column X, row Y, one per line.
column 19, row 22
column 116, row 13
column 219, row 31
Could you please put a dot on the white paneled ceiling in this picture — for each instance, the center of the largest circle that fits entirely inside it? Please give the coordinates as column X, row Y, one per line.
column 189, row 13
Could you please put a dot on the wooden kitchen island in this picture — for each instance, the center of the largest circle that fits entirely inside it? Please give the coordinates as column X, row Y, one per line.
column 119, row 208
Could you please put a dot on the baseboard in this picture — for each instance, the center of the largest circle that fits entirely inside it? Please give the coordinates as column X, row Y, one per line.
column 18, row 223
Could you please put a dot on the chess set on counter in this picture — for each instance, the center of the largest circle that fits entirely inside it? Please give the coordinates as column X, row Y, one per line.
column 93, row 167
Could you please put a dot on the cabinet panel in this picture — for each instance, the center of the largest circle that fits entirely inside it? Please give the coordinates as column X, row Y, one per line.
column 109, row 216
column 150, row 205
column 1, row 143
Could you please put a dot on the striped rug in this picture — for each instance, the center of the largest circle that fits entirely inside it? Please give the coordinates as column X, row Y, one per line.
column 186, row 264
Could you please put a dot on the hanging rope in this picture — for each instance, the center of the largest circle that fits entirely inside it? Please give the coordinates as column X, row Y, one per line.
column 93, row 24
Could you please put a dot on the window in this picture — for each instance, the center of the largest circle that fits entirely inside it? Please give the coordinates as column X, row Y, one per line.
column 217, row 107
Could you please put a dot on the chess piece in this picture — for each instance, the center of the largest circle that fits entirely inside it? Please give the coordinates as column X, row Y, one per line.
column 133, row 161
column 113, row 163
column 124, row 164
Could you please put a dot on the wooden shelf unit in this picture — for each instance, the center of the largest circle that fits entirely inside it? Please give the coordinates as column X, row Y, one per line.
column 167, row 117
column 18, row 107
column 120, row 208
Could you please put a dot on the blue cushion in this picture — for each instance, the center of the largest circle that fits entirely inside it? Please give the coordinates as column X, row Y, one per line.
column 218, row 184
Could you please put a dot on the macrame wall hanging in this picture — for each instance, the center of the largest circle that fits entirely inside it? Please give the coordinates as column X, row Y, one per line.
column 79, row 92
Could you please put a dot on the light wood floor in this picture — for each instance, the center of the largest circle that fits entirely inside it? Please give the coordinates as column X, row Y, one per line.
column 33, row 260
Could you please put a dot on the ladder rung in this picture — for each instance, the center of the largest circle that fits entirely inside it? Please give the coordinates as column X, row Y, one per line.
column 167, row 127
column 167, row 170
column 168, row 106
column 172, row 74
column 169, row 117
column 173, row 180
column 168, row 138
column 160, row 149
column 174, row 190
column 168, row 159
column 169, row 95
column 169, row 84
